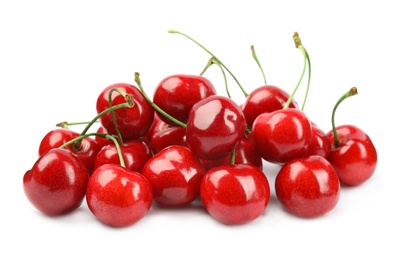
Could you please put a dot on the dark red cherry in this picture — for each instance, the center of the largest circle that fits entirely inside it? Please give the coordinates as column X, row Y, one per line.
column 55, row 138
column 87, row 152
column 267, row 98
column 57, row 182
column 235, row 194
column 133, row 122
column 216, row 126
column 174, row 135
column 176, row 94
column 117, row 196
column 175, row 174
column 320, row 142
column 134, row 152
column 308, row 186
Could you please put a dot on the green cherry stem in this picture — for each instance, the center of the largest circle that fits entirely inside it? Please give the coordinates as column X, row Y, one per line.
column 304, row 52
column 352, row 92
column 221, row 63
column 253, row 53
column 233, row 157
column 67, row 125
column 107, row 136
column 128, row 104
column 118, row 133
column 156, row 107
column 210, row 63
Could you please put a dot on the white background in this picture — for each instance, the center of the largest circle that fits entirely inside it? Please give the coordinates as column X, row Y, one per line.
column 56, row 56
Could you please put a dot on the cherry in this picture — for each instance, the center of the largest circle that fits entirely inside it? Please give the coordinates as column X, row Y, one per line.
column 101, row 141
column 320, row 142
column 175, row 174
column 282, row 135
column 266, row 98
column 117, row 196
column 55, row 138
column 235, row 194
column 135, row 154
column 86, row 152
column 157, row 125
column 308, row 186
column 57, row 182
column 132, row 122
column 174, row 135
column 353, row 154
column 176, row 94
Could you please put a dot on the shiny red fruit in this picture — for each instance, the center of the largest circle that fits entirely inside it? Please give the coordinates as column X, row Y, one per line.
column 55, row 138
column 265, row 99
column 308, row 187
column 235, row 194
column 57, row 182
column 134, row 122
column 134, row 152
column 216, row 126
column 86, row 152
column 176, row 94
column 175, row 174
column 174, row 135
column 320, row 142
column 282, row 135
column 117, row 196
column 355, row 158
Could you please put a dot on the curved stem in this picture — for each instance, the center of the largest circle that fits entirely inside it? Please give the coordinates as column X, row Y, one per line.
column 156, row 107
column 221, row 63
column 210, row 63
column 306, row 56
column 66, row 124
column 352, row 92
column 118, row 133
column 253, row 52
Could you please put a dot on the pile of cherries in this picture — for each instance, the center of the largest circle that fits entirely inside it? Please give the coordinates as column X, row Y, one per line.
column 191, row 143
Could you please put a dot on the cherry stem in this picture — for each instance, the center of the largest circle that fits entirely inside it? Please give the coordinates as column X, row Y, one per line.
column 221, row 63
column 253, row 53
column 102, row 135
column 128, row 104
column 352, row 92
column 298, row 45
column 67, row 125
column 118, row 133
column 210, row 63
column 233, row 157
column 156, row 107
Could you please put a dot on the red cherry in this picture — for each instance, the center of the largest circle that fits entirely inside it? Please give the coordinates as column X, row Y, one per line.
column 57, row 182
column 176, row 94
column 175, row 174
column 235, row 194
column 245, row 153
column 86, row 152
column 320, row 142
column 100, row 140
column 133, row 122
column 308, row 186
column 117, row 196
column 55, row 138
column 157, row 125
column 216, row 126
column 282, row 135
column 355, row 157
column 134, row 152
column 265, row 99
column 175, row 135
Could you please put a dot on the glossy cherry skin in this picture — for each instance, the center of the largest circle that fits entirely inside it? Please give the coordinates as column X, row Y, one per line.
column 174, row 135
column 176, row 94
column 55, row 138
column 265, row 99
column 57, row 182
column 86, row 152
column 245, row 153
column 175, row 174
column 282, row 135
column 216, row 126
column 117, row 196
column 355, row 159
column 134, row 122
column 134, row 152
column 235, row 194
column 320, row 142
column 308, row 187
column 157, row 125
